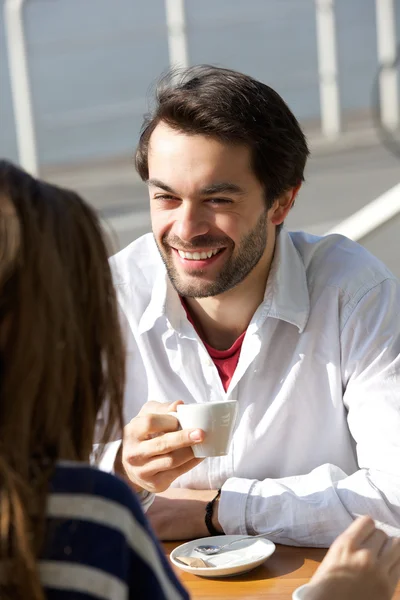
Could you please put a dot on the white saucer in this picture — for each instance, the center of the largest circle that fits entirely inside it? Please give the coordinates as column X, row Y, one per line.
column 239, row 558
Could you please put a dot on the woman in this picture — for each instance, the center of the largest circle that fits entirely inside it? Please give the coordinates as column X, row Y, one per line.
column 64, row 526
column 68, row 530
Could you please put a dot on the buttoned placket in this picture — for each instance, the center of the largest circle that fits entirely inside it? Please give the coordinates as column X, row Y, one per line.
column 216, row 392
column 185, row 333
column 251, row 346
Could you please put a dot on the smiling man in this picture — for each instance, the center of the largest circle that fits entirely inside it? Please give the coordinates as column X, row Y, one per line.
column 222, row 303
column 213, row 228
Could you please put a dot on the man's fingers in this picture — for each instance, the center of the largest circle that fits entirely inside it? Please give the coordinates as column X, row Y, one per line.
column 164, row 444
column 153, row 407
column 159, row 479
column 144, row 426
column 358, row 532
column 174, row 405
column 155, row 450
column 171, row 441
column 166, row 462
column 177, row 472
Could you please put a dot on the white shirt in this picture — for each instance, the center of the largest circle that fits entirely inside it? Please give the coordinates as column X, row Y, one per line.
column 317, row 439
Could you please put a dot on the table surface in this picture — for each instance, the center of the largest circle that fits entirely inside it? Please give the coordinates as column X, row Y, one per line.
column 276, row 579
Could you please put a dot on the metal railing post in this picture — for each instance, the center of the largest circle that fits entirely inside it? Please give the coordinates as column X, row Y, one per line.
column 177, row 38
column 386, row 42
column 20, row 85
column 327, row 68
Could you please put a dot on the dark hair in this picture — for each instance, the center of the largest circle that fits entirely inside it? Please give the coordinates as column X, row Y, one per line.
column 61, row 353
column 235, row 109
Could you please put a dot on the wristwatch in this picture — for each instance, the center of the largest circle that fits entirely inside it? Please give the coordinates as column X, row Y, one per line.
column 209, row 515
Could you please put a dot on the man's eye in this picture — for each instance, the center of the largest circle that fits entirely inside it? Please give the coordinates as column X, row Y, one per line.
column 219, row 201
column 164, row 197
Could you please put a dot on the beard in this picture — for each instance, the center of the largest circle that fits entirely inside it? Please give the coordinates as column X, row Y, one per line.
column 235, row 269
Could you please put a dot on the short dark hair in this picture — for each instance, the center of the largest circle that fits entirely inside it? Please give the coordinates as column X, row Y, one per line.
column 235, row 109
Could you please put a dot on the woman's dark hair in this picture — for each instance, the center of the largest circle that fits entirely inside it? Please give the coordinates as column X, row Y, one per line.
column 61, row 357
column 234, row 109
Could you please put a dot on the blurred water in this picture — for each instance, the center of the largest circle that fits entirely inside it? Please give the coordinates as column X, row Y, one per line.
column 92, row 62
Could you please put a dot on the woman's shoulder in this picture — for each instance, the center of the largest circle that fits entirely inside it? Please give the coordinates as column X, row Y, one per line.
column 90, row 485
column 99, row 520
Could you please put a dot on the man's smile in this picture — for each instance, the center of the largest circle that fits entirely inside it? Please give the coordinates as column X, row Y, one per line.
column 199, row 259
column 198, row 254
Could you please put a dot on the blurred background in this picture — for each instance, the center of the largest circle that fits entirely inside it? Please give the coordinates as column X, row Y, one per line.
column 76, row 77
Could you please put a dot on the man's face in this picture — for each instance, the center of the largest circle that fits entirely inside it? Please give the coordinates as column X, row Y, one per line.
column 208, row 211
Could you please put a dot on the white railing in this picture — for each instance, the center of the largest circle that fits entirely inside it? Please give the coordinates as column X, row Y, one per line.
column 328, row 68
column 370, row 217
column 386, row 42
column 20, row 85
column 177, row 36
column 178, row 56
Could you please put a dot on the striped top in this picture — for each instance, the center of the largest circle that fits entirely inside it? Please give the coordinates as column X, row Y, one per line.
column 99, row 545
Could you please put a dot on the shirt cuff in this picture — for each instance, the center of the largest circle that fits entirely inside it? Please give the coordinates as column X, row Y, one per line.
column 107, row 463
column 146, row 499
column 232, row 507
column 107, row 459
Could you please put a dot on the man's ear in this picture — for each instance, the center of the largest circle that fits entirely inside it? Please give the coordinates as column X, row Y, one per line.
column 282, row 205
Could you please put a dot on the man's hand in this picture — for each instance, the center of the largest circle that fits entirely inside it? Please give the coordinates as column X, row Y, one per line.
column 362, row 564
column 178, row 514
column 155, row 451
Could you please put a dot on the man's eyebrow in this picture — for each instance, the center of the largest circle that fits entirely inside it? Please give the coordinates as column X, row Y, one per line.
column 214, row 188
column 161, row 185
column 221, row 188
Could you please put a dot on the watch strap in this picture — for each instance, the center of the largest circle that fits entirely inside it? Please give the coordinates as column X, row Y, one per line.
column 209, row 515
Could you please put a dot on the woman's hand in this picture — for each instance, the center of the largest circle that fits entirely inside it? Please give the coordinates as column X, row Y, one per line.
column 363, row 563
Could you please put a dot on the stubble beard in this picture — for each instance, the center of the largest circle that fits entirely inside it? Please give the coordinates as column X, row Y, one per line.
column 238, row 266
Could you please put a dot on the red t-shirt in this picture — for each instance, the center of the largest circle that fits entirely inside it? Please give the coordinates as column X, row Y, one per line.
column 225, row 360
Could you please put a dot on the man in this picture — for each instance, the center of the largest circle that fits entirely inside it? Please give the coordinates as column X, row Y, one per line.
column 223, row 303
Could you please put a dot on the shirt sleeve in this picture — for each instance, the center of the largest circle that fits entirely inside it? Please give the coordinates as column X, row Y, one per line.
column 313, row 509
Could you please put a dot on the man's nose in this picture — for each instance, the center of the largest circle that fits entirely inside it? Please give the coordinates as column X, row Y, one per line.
column 190, row 222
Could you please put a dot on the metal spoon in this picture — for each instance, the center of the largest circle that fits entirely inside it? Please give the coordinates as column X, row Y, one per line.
column 209, row 549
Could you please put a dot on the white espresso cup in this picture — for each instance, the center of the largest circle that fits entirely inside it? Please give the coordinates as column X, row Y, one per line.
column 301, row 592
column 216, row 419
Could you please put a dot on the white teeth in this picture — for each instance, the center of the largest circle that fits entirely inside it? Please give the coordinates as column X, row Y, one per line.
column 198, row 255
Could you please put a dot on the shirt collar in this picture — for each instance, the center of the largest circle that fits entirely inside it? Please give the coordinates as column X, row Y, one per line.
column 286, row 294
column 164, row 301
